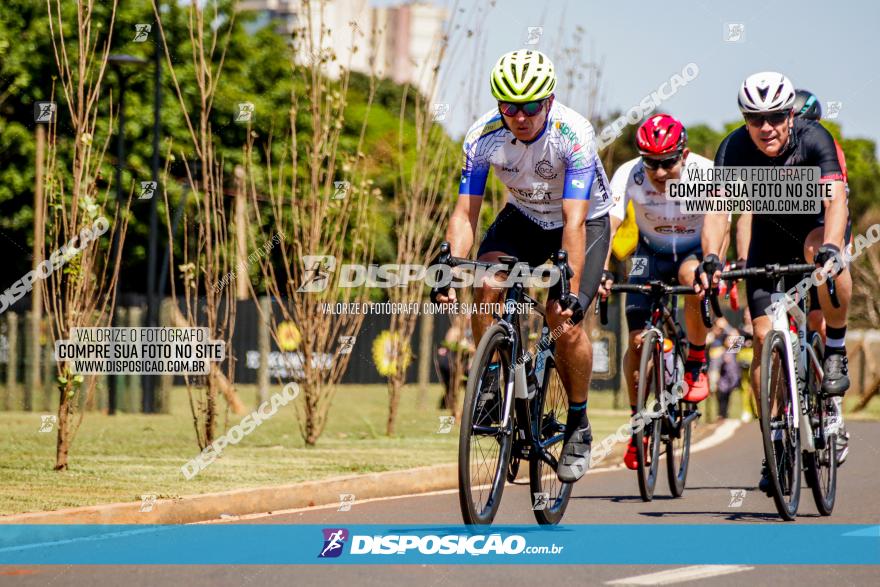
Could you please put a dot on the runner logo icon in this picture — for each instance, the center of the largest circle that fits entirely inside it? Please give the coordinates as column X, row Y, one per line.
column 334, row 540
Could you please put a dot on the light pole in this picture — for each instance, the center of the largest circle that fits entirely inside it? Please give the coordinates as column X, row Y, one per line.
column 119, row 63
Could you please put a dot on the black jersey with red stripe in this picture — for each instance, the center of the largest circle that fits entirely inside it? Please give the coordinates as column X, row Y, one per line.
column 809, row 145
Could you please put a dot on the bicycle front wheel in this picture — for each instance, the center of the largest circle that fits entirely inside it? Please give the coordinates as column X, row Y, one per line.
column 782, row 449
column 820, row 466
column 649, row 405
column 550, row 410
column 678, row 448
column 485, row 439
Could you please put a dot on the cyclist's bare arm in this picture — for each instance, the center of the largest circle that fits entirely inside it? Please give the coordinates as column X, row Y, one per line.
column 460, row 233
column 615, row 224
column 574, row 238
column 836, row 213
column 463, row 225
column 716, row 229
column 743, row 235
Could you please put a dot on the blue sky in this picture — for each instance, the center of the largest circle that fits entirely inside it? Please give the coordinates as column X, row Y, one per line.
column 830, row 48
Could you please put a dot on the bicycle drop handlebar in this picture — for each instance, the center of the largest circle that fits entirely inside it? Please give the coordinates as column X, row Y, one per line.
column 775, row 270
column 654, row 289
column 560, row 261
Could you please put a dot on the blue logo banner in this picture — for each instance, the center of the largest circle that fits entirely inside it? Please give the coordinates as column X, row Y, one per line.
column 280, row 544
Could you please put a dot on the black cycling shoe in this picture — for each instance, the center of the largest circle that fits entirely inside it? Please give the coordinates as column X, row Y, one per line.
column 836, row 380
column 764, row 484
column 488, row 411
column 574, row 460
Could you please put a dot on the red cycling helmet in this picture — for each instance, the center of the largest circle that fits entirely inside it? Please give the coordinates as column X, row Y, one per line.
column 661, row 134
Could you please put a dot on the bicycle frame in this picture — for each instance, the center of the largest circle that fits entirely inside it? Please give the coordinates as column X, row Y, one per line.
column 510, row 321
column 780, row 322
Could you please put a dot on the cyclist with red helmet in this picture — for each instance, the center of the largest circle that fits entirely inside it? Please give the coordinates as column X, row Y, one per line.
column 669, row 246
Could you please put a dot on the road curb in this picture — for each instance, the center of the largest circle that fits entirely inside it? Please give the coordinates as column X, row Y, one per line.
column 238, row 502
column 242, row 502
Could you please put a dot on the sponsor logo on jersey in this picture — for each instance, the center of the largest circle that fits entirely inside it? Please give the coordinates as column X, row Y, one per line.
column 674, row 229
column 545, row 169
column 658, row 218
column 510, row 169
column 639, row 177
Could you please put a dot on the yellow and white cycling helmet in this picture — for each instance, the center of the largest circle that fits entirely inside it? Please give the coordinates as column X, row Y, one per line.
column 523, row 76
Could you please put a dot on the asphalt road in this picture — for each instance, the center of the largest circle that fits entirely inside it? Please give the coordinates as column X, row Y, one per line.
column 609, row 497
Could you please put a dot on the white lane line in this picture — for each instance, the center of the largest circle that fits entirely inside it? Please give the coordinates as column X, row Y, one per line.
column 680, row 575
column 723, row 433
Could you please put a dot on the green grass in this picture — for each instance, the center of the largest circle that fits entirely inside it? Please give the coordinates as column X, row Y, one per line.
column 122, row 457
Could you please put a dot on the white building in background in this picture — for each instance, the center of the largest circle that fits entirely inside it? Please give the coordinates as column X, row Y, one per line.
column 402, row 40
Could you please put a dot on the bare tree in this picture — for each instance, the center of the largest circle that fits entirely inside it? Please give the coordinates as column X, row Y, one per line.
column 317, row 197
column 419, row 213
column 208, row 247
column 81, row 294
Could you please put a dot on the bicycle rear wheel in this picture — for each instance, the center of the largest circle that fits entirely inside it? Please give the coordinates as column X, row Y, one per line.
column 648, row 404
column 484, row 444
column 820, row 466
column 550, row 411
column 782, row 449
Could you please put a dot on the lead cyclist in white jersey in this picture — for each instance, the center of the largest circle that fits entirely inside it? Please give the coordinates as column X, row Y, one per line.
column 558, row 197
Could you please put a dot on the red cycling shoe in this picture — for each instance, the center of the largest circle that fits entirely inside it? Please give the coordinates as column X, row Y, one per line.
column 697, row 390
column 631, row 457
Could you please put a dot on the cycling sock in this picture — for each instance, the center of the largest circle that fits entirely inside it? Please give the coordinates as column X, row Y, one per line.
column 835, row 343
column 632, row 410
column 577, row 417
column 696, row 357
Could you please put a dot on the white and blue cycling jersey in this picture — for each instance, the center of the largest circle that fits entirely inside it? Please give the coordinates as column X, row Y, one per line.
column 562, row 163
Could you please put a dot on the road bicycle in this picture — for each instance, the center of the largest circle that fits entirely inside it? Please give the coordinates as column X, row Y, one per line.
column 662, row 418
column 797, row 422
column 515, row 406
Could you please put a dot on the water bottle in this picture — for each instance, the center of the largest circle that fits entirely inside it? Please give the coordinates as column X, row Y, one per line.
column 669, row 359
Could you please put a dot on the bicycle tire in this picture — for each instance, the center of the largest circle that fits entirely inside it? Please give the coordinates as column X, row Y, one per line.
column 678, row 458
column 550, row 413
column 493, row 344
column 783, row 457
column 650, row 386
column 820, row 466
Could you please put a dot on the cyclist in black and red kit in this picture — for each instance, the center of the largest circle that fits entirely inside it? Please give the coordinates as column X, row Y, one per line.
column 807, row 106
column 773, row 136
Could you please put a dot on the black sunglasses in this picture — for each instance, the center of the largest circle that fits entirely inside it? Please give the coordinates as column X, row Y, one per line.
column 655, row 164
column 528, row 108
column 774, row 118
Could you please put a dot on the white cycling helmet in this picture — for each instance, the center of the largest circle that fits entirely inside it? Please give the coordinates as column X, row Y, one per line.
column 767, row 91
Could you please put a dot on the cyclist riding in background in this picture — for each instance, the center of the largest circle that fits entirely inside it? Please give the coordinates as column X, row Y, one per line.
column 669, row 247
column 773, row 136
column 558, row 197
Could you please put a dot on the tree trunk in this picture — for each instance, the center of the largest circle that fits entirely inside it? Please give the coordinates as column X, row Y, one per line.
column 221, row 383
column 62, row 447
column 394, row 385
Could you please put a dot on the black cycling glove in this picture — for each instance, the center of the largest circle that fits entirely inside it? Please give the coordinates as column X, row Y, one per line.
column 829, row 252
column 576, row 303
column 710, row 264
